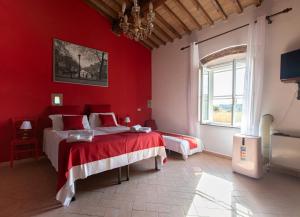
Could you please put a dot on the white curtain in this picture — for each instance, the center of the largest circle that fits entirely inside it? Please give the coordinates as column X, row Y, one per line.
column 193, row 87
column 254, row 75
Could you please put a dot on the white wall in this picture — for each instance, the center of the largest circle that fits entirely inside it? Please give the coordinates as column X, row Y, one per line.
column 170, row 67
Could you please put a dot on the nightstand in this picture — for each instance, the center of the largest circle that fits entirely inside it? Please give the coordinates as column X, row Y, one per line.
column 24, row 138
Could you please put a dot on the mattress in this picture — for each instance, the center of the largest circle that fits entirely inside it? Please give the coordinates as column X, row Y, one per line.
column 181, row 146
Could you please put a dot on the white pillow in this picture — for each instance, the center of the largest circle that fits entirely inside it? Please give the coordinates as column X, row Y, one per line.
column 58, row 124
column 95, row 121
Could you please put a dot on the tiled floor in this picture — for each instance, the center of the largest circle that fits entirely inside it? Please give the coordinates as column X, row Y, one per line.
column 203, row 185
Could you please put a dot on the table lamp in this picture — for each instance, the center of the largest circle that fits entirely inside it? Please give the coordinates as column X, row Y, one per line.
column 127, row 120
column 25, row 126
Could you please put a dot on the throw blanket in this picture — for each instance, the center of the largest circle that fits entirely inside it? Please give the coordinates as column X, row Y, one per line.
column 81, row 159
column 193, row 142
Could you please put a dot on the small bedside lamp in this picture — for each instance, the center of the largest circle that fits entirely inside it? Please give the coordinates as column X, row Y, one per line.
column 127, row 120
column 25, row 126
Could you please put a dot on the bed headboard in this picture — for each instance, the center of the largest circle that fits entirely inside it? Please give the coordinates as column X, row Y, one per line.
column 97, row 108
column 66, row 109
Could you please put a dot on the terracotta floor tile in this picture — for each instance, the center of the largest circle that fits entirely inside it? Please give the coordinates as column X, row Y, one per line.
column 203, row 185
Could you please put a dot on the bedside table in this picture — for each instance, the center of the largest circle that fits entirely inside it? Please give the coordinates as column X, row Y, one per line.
column 24, row 138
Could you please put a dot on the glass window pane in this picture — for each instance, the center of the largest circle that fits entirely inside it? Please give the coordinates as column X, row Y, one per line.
column 238, row 109
column 217, row 92
column 223, row 83
column 241, row 63
column 205, row 91
column 222, row 111
column 205, row 84
column 205, row 108
column 240, row 74
column 239, row 85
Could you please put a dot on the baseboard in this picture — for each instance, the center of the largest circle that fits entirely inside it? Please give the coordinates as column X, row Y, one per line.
column 285, row 170
column 217, row 154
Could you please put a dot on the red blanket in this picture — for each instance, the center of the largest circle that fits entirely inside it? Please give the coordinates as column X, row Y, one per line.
column 102, row 147
column 193, row 143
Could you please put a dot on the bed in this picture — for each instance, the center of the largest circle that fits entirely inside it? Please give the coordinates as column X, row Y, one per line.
column 112, row 147
column 182, row 144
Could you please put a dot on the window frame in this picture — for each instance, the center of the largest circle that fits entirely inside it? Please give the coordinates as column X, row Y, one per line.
column 210, row 97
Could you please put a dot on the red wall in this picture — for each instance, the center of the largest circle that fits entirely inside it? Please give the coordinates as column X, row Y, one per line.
column 27, row 30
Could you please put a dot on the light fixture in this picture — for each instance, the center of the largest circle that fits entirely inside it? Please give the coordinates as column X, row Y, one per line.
column 127, row 120
column 134, row 26
column 25, row 127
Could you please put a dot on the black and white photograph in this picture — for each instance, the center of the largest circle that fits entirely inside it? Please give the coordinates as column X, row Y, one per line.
column 79, row 65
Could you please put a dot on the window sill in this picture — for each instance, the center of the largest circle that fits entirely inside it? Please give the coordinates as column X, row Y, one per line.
column 219, row 125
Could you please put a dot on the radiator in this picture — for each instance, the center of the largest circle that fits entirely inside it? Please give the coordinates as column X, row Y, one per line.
column 285, row 152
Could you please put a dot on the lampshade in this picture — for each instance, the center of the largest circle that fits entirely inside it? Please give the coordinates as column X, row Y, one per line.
column 127, row 120
column 26, row 125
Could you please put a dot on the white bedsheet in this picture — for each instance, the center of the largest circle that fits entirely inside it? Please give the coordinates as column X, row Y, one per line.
column 110, row 130
column 181, row 146
column 52, row 138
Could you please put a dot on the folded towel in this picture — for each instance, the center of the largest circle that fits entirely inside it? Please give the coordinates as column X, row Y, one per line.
column 139, row 128
column 80, row 136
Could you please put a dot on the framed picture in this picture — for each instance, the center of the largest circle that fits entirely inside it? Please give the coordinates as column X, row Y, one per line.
column 79, row 65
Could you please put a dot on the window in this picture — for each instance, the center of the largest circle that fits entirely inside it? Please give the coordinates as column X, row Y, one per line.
column 222, row 93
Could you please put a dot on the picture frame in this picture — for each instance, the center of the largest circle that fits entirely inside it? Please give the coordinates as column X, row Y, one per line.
column 78, row 64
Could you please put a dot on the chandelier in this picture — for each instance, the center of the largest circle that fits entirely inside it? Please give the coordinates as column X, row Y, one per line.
column 135, row 26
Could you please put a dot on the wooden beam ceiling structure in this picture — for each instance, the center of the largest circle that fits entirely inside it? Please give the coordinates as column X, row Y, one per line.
column 259, row 2
column 174, row 18
column 183, row 25
column 167, row 25
column 189, row 13
column 238, row 6
column 219, row 8
column 206, row 15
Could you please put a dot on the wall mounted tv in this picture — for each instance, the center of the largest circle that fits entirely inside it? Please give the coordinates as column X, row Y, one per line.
column 290, row 66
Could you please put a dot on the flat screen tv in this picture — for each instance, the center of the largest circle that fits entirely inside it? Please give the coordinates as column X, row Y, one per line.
column 290, row 66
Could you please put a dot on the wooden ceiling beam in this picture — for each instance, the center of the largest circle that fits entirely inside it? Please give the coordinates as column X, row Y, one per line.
column 184, row 26
column 155, row 36
column 99, row 9
column 206, row 15
column 156, row 4
column 238, row 6
column 115, row 22
column 162, row 32
column 118, row 5
column 189, row 13
column 107, row 7
column 219, row 9
column 151, row 42
column 145, row 45
column 259, row 2
column 117, row 2
column 144, row 5
column 169, row 27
